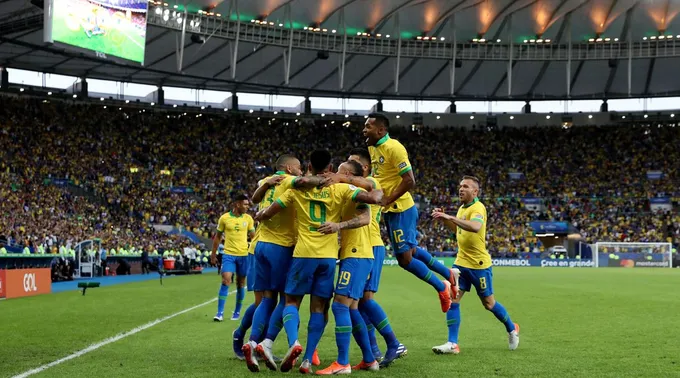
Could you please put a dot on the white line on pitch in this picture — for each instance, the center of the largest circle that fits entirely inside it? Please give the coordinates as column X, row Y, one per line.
column 110, row 340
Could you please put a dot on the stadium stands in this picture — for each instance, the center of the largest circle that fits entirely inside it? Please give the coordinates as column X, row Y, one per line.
column 72, row 172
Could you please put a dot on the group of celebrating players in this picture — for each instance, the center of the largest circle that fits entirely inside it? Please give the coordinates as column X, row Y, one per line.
column 294, row 251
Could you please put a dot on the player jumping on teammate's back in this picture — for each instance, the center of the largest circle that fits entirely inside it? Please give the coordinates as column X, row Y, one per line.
column 356, row 263
column 392, row 169
column 474, row 263
column 237, row 226
column 373, row 314
column 312, row 270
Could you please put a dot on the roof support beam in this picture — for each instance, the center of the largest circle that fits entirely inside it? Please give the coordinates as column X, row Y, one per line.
column 624, row 36
column 544, row 67
column 650, row 72
column 500, row 82
column 576, row 75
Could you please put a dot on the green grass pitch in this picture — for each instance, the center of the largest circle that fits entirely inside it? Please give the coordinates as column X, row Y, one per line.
column 575, row 322
column 125, row 43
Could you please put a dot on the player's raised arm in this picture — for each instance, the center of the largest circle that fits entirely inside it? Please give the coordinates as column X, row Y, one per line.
column 408, row 181
column 281, row 203
column 258, row 196
column 374, row 197
column 361, row 182
column 472, row 225
column 307, row 182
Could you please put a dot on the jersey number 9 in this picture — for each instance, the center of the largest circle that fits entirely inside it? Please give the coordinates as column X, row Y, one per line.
column 317, row 212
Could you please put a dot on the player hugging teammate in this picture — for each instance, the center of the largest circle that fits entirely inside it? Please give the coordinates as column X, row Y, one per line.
column 297, row 247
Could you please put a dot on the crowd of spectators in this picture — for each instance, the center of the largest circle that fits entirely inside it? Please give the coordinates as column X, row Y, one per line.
column 72, row 172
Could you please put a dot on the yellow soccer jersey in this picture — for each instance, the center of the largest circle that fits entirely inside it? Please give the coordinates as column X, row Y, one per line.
column 472, row 251
column 355, row 242
column 253, row 243
column 235, row 231
column 376, row 213
column 279, row 230
column 389, row 160
column 314, row 207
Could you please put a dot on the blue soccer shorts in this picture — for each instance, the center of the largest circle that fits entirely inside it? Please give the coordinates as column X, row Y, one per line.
column 311, row 276
column 271, row 267
column 235, row 264
column 402, row 229
column 374, row 279
column 250, row 278
column 353, row 277
column 481, row 279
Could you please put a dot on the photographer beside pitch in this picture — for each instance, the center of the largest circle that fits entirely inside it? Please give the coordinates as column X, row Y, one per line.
column 474, row 263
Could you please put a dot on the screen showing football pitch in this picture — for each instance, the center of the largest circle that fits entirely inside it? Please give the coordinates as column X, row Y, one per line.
column 106, row 27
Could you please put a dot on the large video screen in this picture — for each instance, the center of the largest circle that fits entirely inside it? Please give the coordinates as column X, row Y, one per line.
column 107, row 27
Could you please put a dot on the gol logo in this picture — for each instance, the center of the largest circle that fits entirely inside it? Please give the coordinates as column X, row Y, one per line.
column 30, row 282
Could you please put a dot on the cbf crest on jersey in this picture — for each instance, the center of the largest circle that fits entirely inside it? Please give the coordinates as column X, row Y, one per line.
column 381, row 160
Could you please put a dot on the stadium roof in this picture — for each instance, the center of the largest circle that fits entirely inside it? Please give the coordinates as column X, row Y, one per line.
column 531, row 37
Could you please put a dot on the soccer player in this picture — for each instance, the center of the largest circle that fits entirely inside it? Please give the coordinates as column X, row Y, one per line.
column 372, row 313
column 236, row 226
column 273, row 255
column 247, row 320
column 392, row 168
column 312, row 270
column 474, row 263
column 356, row 262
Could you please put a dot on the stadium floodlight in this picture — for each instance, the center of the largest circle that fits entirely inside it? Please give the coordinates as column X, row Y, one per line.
column 472, row 117
column 225, row 109
column 645, row 116
column 323, row 115
column 159, row 11
column 346, row 115
column 101, row 98
column 590, row 116
column 616, row 39
column 387, row 36
column 153, row 103
column 202, row 107
column 512, row 117
column 275, row 112
column 442, row 38
column 104, row 106
column 526, row 41
column 438, row 117
column 532, row 40
column 365, row 116
column 297, row 114
column 250, row 111
column 280, row 25
column 75, row 96
column 661, row 37
column 334, row 31
column 498, row 41
column 672, row 115
column 547, row 40
column 127, row 101
column 623, row 117
column 174, row 106
column 21, row 89
column 547, row 117
column 49, row 93
column 644, row 38
column 652, row 37
column 398, row 116
column 179, row 20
